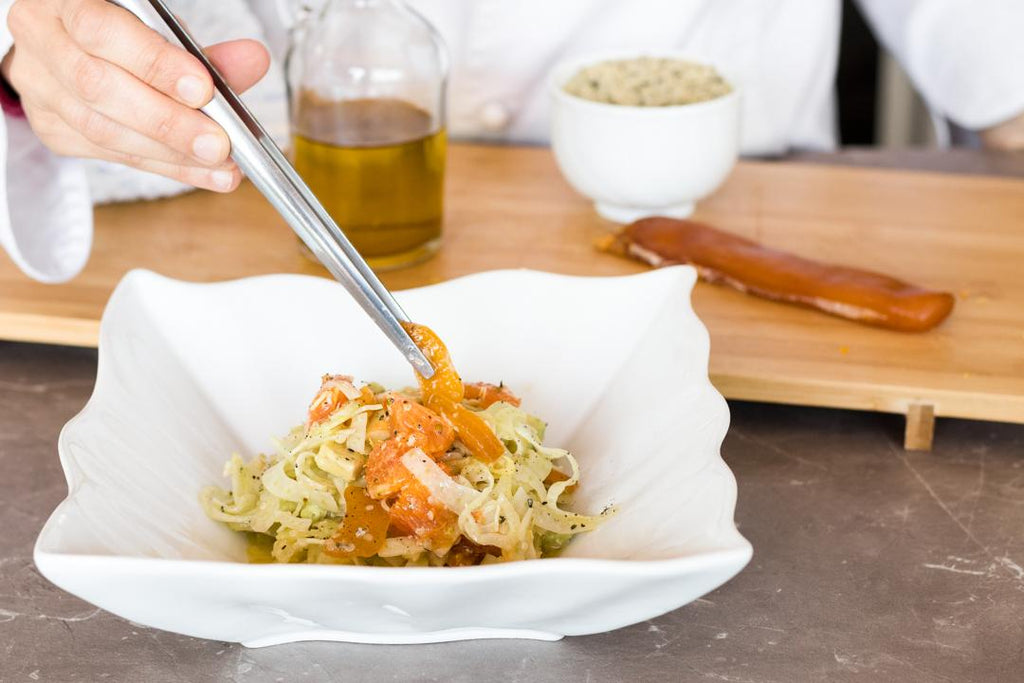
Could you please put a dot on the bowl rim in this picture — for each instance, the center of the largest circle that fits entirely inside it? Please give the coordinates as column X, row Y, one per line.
column 734, row 553
column 739, row 555
column 560, row 72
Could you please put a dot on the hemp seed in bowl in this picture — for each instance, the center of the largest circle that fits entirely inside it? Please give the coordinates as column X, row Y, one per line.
column 648, row 82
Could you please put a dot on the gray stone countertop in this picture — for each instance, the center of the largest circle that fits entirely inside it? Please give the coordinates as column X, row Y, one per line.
column 870, row 563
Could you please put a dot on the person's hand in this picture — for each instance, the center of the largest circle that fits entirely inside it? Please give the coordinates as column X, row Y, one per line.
column 96, row 82
column 1008, row 135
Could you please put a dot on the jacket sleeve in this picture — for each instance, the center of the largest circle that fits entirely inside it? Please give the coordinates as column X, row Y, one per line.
column 964, row 57
column 45, row 210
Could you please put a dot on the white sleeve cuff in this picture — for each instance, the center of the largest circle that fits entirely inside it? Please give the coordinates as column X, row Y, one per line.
column 45, row 210
column 47, row 229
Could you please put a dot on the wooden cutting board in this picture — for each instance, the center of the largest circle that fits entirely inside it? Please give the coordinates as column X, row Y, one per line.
column 509, row 208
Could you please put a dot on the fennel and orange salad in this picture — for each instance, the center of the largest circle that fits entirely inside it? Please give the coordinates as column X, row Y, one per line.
column 447, row 474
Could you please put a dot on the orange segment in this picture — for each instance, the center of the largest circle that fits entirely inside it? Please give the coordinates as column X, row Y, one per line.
column 410, row 426
column 445, row 381
column 444, row 393
column 363, row 529
column 419, row 427
column 325, row 403
column 486, row 394
column 366, row 396
column 385, row 474
column 330, row 397
column 416, row 513
column 472, row 430
column 556, row 476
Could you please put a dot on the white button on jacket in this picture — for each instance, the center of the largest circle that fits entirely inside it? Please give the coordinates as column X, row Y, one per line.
column 964, row 57
column 494, row 117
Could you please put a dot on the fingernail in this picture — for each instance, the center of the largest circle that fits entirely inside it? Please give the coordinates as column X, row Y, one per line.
column 208, row 147
column 191, row 90
column 222, row 180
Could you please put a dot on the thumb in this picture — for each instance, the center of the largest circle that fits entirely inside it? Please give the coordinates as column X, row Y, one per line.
column 242, row 62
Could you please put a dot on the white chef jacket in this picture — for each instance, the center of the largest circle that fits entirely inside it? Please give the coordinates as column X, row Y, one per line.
column 964, row 57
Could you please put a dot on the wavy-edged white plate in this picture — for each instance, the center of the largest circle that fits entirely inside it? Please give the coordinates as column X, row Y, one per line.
column 189, row 373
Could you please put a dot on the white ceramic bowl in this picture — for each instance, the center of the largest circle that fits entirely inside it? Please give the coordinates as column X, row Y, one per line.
column 189, row 373
column 642, row 161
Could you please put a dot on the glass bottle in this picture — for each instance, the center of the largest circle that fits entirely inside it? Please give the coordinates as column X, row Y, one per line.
column 367, row 83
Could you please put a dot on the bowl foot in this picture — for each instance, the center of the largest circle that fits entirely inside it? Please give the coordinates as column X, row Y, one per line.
column 627, row 214
column 399, row 638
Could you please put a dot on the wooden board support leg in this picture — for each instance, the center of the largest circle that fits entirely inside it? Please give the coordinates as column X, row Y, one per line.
column 920, row 427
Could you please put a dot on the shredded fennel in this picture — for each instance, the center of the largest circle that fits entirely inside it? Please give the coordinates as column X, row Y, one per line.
column 295, row 497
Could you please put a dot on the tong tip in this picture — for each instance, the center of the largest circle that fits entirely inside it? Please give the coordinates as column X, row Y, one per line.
column 419, row 362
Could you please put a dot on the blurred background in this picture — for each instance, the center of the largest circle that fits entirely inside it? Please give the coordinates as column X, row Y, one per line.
column 878, row 105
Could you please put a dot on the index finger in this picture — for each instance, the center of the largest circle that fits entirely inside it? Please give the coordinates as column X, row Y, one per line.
column 116, row 35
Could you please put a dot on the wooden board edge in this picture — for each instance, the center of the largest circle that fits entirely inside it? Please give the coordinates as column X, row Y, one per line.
column 895, row 172
column 41, row 329
column 875, row 398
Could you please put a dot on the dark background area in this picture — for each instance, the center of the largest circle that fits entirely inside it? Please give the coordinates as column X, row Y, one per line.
column 857, row 79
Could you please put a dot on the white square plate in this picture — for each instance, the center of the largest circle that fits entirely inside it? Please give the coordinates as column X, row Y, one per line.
column 189, row 373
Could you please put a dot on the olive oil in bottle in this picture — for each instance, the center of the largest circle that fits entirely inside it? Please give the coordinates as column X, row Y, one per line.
column 377, row 165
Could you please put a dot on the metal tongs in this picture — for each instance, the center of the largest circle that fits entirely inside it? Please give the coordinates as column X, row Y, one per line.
column 268, row 169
